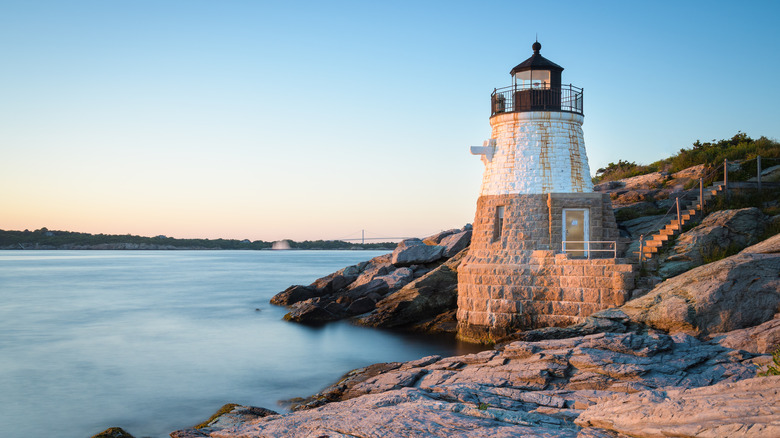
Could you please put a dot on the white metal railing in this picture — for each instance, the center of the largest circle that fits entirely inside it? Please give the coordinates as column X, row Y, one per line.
column 584, row 246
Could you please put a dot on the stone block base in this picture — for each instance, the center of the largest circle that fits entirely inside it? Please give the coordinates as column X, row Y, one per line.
column 495, row 299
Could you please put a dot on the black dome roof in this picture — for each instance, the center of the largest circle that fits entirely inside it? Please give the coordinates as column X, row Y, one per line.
column 536, row 62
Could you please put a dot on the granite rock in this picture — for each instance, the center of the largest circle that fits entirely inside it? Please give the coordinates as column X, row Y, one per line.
column 539, row 388
column 763, row 338
column 355, row 290
column 455, row 243
column 733, row 293
column 421, row 300
column 719, row 233
column 414, row 251
column 113, row 432
column 748, row 408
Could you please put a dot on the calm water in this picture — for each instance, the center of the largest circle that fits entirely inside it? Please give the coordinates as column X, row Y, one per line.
column 154, row 341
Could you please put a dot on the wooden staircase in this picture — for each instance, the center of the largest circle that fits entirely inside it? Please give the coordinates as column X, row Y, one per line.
column 652, row 245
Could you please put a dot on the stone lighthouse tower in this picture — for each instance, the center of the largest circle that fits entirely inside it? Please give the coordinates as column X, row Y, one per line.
column 544, row 246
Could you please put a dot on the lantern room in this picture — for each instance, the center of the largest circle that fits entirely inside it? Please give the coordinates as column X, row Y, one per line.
column 536, row 72
column 536, row 86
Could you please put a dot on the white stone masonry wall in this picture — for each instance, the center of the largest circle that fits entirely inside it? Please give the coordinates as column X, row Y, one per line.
column 537, row 152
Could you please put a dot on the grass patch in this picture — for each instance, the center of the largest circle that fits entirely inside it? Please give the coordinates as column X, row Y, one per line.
column 715, row 254
column 771, row 230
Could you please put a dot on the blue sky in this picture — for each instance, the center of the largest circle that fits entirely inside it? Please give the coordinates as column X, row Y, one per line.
column 308, row 120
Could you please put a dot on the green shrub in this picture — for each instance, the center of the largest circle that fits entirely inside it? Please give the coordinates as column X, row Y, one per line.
column 764, row 200
column 738, row 147
column 715, row 254
column 772, row 370
column 620, row 170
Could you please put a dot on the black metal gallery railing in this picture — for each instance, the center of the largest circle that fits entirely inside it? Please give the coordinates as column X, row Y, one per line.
column 512, row 99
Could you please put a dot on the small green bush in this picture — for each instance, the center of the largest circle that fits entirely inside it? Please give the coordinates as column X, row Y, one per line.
column 715, row 254
column 620, row 170
column 772, row 370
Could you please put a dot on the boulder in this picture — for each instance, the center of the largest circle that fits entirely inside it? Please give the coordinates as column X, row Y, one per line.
column 113, row 432
column 693, row 172
column 336, row 281
column 414, row 251
column 644, row 225
column 349, row 278
column 313, row 311
column 397, row 279
column 294, row 294
column 763, row 338
column 361, row 305
column 424, row 298
column 376, row 286
column 437, row 238
column 375, row 267
column 720, row 233
column 733, row 293
column 455, row 243
column 634, row 196
column 648, row 181
column 608, row 186
column 230, row 415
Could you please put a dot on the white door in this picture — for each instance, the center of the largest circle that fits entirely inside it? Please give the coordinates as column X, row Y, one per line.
column 575, row 231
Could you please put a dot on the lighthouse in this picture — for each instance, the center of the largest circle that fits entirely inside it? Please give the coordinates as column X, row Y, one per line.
column 544, row 249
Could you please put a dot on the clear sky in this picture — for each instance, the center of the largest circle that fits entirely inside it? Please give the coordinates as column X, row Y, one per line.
column 315, row 120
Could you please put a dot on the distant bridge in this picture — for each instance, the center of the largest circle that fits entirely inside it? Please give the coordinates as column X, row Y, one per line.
column 363, row 238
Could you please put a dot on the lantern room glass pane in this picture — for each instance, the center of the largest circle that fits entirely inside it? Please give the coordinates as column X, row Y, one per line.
column 533, row 79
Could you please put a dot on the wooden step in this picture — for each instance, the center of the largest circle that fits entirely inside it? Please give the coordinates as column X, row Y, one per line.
column 661, row 237
column 650, row 251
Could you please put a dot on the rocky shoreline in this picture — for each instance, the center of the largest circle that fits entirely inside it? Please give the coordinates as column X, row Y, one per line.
column 414, row 287
column 683, row 357
column 683, row 360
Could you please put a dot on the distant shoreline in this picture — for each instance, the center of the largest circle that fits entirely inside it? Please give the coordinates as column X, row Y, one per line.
column 45, row 239
column 43, row 248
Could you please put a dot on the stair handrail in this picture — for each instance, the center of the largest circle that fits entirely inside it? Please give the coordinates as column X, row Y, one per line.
column 709, row 179
column 661, row 222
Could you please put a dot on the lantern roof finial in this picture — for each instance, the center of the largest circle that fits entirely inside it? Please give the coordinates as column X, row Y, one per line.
column 536, row 62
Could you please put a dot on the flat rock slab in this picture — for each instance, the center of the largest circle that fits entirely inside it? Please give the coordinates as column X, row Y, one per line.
column 748, row 408
column 534, row 389
column 399, row 413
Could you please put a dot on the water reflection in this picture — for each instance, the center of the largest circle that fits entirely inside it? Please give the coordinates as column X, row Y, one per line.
column 156, row 341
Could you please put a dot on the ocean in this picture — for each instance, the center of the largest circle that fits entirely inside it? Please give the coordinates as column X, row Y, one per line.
column 154, row 341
